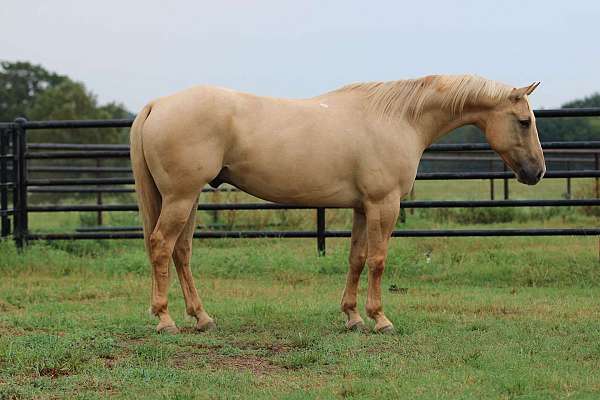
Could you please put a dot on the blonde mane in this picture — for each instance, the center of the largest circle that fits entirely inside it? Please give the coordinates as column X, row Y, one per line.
column 409, row 97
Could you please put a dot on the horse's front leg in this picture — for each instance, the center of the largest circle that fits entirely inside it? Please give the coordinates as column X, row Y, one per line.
column 381, row 219
column 356, row 261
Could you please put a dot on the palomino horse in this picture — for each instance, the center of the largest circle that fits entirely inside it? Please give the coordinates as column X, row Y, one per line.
column 358, row 146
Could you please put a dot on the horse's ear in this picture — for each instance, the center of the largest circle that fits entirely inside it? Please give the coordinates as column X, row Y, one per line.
column 532, row 87
column 517, row 93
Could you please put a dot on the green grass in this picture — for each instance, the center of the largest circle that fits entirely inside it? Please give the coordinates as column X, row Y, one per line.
column 481, row 318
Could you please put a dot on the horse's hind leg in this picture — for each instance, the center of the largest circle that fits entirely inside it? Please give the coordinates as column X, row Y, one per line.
column 174, row 214
column 181, row 258
column 358, row 256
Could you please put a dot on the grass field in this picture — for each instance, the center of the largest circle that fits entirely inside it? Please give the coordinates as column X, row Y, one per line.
column 480, row 317
column 483, row 318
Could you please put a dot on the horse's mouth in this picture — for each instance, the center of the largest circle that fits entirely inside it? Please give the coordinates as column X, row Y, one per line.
column 529, row 177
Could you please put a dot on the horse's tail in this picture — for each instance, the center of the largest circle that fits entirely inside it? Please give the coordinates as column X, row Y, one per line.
column 149, row 198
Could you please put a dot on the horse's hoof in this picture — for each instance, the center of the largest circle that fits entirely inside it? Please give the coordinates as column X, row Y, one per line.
column 168, row 330
column 355, row 326
column 207, row 326
column 387, row 330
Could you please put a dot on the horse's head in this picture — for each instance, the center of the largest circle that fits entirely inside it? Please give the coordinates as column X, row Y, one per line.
column 510, row 130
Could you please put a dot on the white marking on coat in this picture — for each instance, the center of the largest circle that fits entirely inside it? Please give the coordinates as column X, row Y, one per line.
column 323, row 105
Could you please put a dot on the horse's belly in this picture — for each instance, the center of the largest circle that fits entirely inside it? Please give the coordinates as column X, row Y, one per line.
column 291, row 186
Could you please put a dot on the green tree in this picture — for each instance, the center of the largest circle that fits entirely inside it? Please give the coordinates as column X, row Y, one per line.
column 33, row 92
column 20, row 84
column 557, row 129
column 70, row 100
column 589, row 101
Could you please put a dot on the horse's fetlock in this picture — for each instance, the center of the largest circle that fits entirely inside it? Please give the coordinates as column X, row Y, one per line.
column 158, row 307
column 348, row 306
column 373, row 311
column 192, row 311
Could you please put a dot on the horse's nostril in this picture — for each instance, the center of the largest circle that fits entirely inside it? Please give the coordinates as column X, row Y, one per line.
column 540, row 174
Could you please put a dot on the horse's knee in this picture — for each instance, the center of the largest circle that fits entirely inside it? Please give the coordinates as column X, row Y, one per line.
column 357, row 260
column 376, row 264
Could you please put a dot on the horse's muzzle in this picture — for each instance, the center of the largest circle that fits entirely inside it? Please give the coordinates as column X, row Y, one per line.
column 530, row 175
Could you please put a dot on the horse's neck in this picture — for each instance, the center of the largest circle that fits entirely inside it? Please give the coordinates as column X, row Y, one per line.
column 437, row 122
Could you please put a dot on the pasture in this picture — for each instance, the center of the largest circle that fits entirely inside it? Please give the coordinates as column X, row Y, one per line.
column 475, row 317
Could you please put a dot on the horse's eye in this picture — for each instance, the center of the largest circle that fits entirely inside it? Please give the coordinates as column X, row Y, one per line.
column 525, row 123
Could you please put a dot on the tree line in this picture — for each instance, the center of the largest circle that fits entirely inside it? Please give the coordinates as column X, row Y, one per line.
column 33, row 92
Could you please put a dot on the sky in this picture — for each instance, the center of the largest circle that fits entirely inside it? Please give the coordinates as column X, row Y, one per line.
column 133, row 51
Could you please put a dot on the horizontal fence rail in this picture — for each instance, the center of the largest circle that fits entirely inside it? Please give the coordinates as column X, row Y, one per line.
column 126, row 122
column 330, row 234
column 16, row 155
column 450, row 147
column 276, row 206
column 420, row 176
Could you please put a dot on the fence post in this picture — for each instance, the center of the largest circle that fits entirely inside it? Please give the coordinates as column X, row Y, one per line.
column 506, row 194
column 5, row 222
column 597, row 160
column 98, row 194
column 216, row 198
column 20, row 178
column 412, row 198
column 568, row 181
column 492, row 181
column 321, row 231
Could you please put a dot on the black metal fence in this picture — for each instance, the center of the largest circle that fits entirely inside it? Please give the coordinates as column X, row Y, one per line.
column 15, row 185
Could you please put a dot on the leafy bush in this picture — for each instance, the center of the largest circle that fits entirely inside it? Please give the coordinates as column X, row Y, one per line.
column 484, row 215
column 492, row 215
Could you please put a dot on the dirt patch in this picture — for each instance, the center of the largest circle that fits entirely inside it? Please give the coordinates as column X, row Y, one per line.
column 210, row 357
column 109, row 362
column 7, row 307
column 255, row 364
column 494, row 310
column 54, row 373
column 188, row 330
column 281, row 348
column 6, row 330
